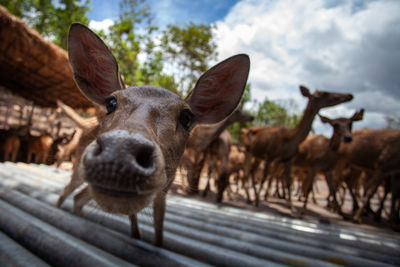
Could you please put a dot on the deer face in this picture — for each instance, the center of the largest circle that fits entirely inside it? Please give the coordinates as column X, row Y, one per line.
column 137, row 150
column 342, row 126
column 143, row 135
column 322, row 99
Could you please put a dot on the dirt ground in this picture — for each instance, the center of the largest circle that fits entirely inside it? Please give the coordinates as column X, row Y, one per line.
column 275, row 205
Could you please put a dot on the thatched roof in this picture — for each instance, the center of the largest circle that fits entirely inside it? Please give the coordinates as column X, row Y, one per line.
column 34, row 68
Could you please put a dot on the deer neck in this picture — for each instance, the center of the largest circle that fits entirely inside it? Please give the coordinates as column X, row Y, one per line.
column 334, row 142
column 302, row 129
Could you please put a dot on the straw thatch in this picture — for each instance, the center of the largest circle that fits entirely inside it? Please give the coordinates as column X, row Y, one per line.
column 34, row 68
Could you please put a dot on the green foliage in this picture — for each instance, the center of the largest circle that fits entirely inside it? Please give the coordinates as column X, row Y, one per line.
column 124, row 39
column 246, row 95
column 393, row 122
column 188, row 48
column 50, row 18
column 67, row 12
column 131, row 35
column 272, row 114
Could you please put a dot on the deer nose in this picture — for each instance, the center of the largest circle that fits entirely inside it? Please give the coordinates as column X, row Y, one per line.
column 348, row 138
column 122, row 152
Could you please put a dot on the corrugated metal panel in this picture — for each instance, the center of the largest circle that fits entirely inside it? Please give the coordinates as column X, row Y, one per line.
column 196, row 232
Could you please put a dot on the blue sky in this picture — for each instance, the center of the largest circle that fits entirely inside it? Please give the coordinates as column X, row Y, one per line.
column 169, row 11
column 347, row 46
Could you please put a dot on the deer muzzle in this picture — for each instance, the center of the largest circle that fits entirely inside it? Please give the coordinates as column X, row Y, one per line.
column 120, row 163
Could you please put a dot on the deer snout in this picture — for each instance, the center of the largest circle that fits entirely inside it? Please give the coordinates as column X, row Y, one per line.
column 348, row 138
column 118, row 159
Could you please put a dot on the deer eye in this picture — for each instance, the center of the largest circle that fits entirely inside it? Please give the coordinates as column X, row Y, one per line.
column 111, row 104
column 186, row 119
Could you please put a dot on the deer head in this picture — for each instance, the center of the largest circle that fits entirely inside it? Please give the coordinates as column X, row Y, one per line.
column 342, row 126
column 142, row 137
column 322, row 99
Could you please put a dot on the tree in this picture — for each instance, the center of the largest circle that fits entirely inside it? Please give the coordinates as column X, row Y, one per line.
column 50, row 20
column 188, row 49
column 67, row 12
column 393, row 122
column 273, row 114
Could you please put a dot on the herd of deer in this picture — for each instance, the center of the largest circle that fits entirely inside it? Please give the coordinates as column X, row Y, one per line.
column 45, row 148
column 128, row 155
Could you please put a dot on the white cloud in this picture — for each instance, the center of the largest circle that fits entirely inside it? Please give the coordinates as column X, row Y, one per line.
column 101, row 25
column 342, row 46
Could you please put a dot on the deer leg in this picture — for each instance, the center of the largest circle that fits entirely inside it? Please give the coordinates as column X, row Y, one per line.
column 69, row 188
column 245, row 184
column 369, row 192
column 265, row 174
column 246, row 179
column 287, row 180
column 209, row 173
column 269, row 184
column 194, row 174
column 332, row 191
column 80, row 200
column 354, row 197
column 309, row 184
column 135, row 231
column 14, row 156
column 28, row 160
column 395, row 202
column 159, row 213
column 223, row 180
column 378, row 213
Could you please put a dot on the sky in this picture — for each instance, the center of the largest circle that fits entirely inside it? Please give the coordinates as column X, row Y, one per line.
column 349, row 46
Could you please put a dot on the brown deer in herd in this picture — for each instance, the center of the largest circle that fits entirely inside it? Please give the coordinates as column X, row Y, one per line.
column 39, row 148
column 130, row 158
column 377, row 153
column 318, row 153
column 12, row 142
column 198, row 143
column 280, row 144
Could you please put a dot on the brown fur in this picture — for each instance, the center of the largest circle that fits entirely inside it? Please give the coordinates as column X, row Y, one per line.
column 279, row 143
column 40, row 147
column 149, row 124
column 376, row 151
column 199, row 141
column 320, row 154
column 11, row 147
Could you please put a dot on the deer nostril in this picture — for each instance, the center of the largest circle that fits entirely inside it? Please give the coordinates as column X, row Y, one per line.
column 348, row 139
column 144, row 156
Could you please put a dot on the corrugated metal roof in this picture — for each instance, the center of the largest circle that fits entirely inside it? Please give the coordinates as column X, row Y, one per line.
column 196, row 233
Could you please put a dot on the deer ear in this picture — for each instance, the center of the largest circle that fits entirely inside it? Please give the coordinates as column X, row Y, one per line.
column 95, row 68
column 324, row 119
column 304, row 91
column 219, row 90
column 358, row 116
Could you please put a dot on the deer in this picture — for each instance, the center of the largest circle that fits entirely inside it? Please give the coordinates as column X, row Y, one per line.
column 217, row 155
column 130, row 158
column 40, row 147
column 12, row 142
column 375, row 152
column 199, row 141
column 280, row 144
column 236, row 166
column 11, row 147
column 317, row 153
column 67, row 150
